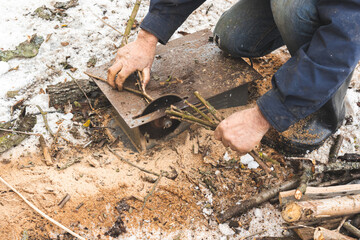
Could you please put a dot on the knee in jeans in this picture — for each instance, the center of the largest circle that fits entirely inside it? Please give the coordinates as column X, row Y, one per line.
column 294, row 13
column 229, row 43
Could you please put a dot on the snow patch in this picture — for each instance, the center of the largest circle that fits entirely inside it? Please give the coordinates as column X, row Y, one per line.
column 249, row 161
column 226, row 230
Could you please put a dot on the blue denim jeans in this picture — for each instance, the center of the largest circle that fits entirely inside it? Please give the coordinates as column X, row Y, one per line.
column 254, row 28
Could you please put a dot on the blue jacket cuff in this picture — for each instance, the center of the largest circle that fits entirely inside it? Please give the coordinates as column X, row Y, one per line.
column 162, row 28
column 274, row 110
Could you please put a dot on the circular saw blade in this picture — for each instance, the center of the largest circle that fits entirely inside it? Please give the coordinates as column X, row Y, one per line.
column 164, row 125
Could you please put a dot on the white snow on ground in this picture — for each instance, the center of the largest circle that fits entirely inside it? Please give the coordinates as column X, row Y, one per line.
column 249, row 161
column 87, row 37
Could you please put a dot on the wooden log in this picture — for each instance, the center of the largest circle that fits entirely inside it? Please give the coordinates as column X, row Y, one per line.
column 320, row 193
column 69, row 91
column 325, row 234
column 315, row 209
column 307, row 233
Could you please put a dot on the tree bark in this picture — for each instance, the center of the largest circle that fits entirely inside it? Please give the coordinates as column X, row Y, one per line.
column 62, row 93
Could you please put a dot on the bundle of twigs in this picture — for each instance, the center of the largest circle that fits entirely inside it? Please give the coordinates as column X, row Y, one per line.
column 205, row 121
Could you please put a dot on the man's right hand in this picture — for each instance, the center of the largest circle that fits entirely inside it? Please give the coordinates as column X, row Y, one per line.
column 138, row 55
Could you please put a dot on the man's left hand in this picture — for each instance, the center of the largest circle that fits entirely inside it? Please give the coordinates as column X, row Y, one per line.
column 242, row 131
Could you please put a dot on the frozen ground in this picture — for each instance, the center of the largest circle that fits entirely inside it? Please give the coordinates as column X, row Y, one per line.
column 88, row 36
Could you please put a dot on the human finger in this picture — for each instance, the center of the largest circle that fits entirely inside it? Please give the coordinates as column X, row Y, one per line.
column 217, row 134
column 121, row 77
column 225, row 142
column 146, row 76
column 112, row 71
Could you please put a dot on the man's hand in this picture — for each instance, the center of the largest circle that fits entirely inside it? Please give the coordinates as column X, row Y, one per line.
column 138, row 55
column 243, row 130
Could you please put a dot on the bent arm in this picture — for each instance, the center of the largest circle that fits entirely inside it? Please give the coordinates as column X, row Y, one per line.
column 165, row 16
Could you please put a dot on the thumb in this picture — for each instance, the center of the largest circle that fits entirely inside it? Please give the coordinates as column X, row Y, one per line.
column 217, row 134
column 146, row 76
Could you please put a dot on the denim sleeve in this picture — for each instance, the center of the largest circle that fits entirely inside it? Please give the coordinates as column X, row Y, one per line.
column 310, row 78
column 165, row 16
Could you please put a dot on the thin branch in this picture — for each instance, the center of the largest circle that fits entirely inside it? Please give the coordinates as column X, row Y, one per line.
column 130, row 22
column 334, row 150
column 192, row 122
column 152, row 191
column 211, row 109
column 304, row 179
column 142, row 88
column 199, row 111
column 260, row 162
column 40, row 212
column 131, row 164
column 125, row 88
column 106, row 23
column 341, row 223
column 355, row 231
column 191, row 118
column 45, row 120
column 91, row 107
column 20, row 132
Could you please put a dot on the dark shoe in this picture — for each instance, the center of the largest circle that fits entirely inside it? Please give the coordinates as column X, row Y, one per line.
column 310, row 133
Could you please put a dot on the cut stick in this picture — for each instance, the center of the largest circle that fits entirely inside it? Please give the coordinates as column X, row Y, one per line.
column 335, row 148
column 199, row 111
column 325, row 234
column 191, row 118
column 352, row 229
column 46, row 151
column 260, row 198
column 324, row 208
column 211, row 109
column 304, row 179
column 306, row 232
column 321, row 193
column 151, row 191
column 40, row 212
column 260, row 162
column 45, row 120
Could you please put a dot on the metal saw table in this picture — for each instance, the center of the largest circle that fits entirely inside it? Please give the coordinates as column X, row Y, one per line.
column 187, row 64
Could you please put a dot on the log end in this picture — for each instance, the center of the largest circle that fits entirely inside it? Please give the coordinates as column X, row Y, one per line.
column 292, row 212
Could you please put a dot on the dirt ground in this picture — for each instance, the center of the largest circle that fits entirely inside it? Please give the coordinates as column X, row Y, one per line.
column 105, row 190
